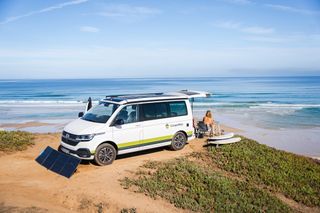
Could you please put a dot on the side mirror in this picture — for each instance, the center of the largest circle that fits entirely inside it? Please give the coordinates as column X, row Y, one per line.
column 119, row 122
column 80, row 114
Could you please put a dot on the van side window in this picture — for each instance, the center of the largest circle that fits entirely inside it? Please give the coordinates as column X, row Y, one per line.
column 178, row 108
column 153, row 111
column 128, row 114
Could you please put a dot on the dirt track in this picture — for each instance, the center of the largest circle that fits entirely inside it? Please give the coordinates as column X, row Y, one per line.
column 25, row 185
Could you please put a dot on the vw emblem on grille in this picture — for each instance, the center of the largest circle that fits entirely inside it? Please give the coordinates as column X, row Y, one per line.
column 67, row 135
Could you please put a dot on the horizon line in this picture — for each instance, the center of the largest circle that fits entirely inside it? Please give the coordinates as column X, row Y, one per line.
column 166, row 77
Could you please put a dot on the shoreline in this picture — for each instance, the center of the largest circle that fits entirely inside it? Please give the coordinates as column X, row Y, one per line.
column 288, row 140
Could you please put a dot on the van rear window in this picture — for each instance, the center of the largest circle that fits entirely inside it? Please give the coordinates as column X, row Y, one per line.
column 162, row 110
column 177, row 108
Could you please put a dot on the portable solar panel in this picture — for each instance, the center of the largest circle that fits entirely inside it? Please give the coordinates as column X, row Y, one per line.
column 58, row 162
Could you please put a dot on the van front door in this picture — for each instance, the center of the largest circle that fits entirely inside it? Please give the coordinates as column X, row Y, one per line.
column 127, row 132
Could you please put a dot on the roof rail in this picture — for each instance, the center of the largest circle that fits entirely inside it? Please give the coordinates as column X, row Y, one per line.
column 135, row 94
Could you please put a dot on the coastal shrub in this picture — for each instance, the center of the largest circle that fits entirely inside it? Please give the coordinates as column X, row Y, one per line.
column 296, row 177
column 190, row 186
column 15, row 140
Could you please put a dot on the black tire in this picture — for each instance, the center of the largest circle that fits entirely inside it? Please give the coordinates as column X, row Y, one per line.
column 179, row 140
column 105, row 154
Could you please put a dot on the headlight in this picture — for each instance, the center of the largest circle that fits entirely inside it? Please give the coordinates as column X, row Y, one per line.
column 85, row 137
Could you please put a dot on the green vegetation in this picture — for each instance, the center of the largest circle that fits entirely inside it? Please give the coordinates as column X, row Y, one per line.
column 88, row 205
column 294, row 176
column 131, row 210
column 190, row 186
column 15, row 140
column 240, row 177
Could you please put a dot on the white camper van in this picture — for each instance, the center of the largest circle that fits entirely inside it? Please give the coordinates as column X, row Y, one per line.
column 122, row 124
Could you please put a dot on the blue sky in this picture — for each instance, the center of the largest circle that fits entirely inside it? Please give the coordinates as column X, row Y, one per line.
column 100, row 39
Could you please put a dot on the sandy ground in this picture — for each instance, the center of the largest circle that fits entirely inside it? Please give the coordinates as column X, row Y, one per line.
column 25, row 185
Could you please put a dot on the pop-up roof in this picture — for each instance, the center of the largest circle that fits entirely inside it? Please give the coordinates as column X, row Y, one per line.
column 128, row 98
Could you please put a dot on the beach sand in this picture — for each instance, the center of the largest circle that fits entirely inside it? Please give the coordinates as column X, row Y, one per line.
column 25, row 186
column 24, row 183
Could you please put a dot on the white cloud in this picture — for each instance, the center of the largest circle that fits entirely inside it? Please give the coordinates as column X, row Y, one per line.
column 257, row 30
column 89, row 29
column 296, row 38
column 269, row 39
column 44, row 10
column 292, row 9
column 124, row 10
column 245, row 29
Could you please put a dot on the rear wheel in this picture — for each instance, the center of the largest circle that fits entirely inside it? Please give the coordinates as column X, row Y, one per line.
column 105, row 154
column 178, row 141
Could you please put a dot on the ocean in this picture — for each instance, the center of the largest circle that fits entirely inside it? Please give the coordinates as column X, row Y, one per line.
column 282, row 112
column 266, row 102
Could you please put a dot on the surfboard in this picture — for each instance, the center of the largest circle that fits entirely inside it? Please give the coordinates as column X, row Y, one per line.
column 221, row 137
column 225, row 141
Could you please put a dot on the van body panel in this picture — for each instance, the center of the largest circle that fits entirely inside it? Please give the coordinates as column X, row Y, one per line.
column 146, row 132
column 83, row 127
column 141, row 148
column 121, row 133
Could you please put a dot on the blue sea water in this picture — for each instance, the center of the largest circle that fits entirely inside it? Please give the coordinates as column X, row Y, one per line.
column 279, row 102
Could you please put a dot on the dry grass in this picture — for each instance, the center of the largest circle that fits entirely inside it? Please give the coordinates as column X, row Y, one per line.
column 11, row 141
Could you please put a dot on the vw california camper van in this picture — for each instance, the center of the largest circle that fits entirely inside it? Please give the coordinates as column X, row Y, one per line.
column 122, row 124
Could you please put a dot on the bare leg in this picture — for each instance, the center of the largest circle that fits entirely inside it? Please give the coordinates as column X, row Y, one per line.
column 211, row 130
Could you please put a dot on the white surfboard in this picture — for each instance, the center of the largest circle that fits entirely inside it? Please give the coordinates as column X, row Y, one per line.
column 221, row 137
column 225, row 141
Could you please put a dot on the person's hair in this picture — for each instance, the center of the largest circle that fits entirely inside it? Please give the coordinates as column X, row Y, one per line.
column 209, row 114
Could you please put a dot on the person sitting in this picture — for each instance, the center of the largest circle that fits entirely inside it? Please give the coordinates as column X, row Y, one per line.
column 132, row 117
column 209, row 122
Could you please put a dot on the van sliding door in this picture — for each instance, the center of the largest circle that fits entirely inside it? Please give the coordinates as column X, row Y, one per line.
column 155, row 124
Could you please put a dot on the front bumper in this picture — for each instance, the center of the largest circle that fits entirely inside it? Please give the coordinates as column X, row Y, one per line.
column 81, row 153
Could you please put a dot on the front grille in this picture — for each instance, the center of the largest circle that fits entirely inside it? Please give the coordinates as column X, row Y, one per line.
column 69, row 138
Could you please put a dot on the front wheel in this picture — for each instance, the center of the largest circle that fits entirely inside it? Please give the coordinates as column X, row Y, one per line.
column 105, row 154
column 178, row 141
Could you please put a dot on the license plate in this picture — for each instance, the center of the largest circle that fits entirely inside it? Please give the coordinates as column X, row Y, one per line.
column 65, row 150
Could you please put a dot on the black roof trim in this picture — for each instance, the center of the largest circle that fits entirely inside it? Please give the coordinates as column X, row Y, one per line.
column 155, row 101
column 128, row 97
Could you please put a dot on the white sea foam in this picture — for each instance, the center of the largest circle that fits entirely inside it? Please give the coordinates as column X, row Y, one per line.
column 217, row 104
column 38, row 102
column 257, row 105
column 44, row 103
column 291, row 106
column 268, row 107
column 7, row 81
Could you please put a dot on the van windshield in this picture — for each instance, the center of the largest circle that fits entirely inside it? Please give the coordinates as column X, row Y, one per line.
column 100, row 113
